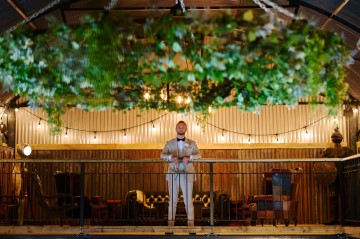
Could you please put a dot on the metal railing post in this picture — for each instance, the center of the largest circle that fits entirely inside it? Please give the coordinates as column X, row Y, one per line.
column 211, row 176
column 342, row 193
column 82, row 201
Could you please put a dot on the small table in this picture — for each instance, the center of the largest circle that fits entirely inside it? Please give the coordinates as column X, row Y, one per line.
column 114, row 210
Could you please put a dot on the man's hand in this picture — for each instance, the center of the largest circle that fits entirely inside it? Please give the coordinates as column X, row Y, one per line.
column 186, row 159
column 174, row 159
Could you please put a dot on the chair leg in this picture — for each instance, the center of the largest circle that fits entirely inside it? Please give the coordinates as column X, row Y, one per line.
column 287, row 222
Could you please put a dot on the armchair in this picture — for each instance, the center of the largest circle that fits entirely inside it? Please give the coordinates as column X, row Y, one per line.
column 221, row 207
column 68, row 185
column 50, row 202
column 9, row 205
column 280, row 201
column 144, row 208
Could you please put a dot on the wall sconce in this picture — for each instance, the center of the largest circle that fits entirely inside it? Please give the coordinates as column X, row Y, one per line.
column 24, row 150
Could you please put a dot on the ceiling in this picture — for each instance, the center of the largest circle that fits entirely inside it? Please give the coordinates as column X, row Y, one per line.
column 333, row 15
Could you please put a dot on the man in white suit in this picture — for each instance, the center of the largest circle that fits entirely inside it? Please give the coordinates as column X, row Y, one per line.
column 180, row 152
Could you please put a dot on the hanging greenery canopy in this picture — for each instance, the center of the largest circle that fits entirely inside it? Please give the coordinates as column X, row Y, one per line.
column 189, row 63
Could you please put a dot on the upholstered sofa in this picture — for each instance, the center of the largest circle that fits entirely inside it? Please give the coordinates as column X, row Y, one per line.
column 151, row 208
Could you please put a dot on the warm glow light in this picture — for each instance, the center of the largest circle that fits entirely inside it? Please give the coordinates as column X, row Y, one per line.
column 355, row 110
column 147, row 95
column 179, row 99
column 209, row 109
column 306, row 136
column 188, row 100
column 16, row 109
column 163, row 96
column 24, row 150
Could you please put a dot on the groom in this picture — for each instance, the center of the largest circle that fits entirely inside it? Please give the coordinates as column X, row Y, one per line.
column 180, row 152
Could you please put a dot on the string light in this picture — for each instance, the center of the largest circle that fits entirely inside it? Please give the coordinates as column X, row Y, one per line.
column 162, row 95
column 222, row 134
column 66, row 134
column 16, row 109
column 197, row 124
column 94, row 135
column 146, row 96
column 179, row 99
column 335, row 121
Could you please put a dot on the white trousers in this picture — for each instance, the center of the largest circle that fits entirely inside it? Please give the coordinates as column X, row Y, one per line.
column 177, row 181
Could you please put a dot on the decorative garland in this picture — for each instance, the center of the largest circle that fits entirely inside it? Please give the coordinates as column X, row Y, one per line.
column 201, row 121
column 213, row 61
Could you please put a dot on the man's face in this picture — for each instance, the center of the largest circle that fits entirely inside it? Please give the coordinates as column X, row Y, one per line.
column 181, row 128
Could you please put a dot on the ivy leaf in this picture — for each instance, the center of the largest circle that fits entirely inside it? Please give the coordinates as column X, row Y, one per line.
column 251, row 35
column 249, row 87
column 248, row 16
column 176, row 47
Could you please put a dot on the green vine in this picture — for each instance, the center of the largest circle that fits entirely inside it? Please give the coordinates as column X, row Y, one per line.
column 217, row 61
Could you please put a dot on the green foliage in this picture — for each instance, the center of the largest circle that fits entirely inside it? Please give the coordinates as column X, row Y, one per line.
column 217, row 61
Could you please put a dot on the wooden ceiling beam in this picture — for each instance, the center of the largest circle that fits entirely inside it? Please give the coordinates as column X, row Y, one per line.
column 22, row 14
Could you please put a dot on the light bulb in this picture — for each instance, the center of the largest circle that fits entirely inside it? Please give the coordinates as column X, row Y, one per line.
column 147, row 96
column 179, row 99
